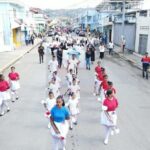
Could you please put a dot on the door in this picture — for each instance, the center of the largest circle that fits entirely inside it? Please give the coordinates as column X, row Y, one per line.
column 143, row 38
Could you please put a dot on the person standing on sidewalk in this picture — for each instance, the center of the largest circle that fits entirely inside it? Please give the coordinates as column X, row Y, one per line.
column 41, row 53
column 14, row 83
column 4, row 95
column 123, row 44
column 145, row 64
column 111, row 46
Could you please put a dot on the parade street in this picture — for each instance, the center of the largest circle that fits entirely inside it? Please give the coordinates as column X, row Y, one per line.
column 25, row 127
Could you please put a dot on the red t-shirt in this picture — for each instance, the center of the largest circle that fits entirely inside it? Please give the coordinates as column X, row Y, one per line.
column 105, row 85
column 111, row 104
column 100, row 76
column 98, row 69
column 146, row 59
column 4, row 86
column 13, row 76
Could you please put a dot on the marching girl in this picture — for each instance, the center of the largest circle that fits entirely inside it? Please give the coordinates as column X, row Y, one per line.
column 59, row 124
column 14, row 83
column 104, row 88
column 109, row 116
column 97, row 83
column 110, row 87
column 75, row 88
column 4, row 95
column 69, row 77
column 49, row 103
column 98, row 68
column 73, row 64
column 73, row 105
column 54, row 87
column 53, row 64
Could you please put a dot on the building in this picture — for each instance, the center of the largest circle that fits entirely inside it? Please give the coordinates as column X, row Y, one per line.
column 89, row 20
column 40, row 19
column 142, row 40
column 12, row 13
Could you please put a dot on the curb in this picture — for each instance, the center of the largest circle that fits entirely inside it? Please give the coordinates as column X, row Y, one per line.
column 129, row 60
column 18, row 58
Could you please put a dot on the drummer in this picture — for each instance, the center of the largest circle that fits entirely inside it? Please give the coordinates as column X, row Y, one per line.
column 73, row 64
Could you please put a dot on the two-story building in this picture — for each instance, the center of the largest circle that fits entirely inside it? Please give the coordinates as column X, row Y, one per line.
column 12, row 13
column 89, row 20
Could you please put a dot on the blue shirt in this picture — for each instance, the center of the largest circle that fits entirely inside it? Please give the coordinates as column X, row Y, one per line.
column 59, row 114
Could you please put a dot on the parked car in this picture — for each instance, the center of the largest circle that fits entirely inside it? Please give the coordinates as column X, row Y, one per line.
column 82, row 33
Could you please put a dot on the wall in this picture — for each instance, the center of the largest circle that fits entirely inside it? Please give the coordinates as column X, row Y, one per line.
column 143, row 27
column 129, row 32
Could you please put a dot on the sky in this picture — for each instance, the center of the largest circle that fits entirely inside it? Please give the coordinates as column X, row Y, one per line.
column 59, row 4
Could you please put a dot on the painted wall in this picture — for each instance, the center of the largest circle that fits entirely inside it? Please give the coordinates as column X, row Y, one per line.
column 143, row 28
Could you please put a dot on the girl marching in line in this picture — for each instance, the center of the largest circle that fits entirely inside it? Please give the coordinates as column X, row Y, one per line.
column 53, row 65
column 98, row 68
column 97, row 83
column 14, row 83
column 75, row 88
column 104, row 88
column 73, row 105
column 110, row 87
column 109, row 116
column 69, row 77
column 59, row 124
column 4, row 95
column 49, row 103
column 54, row 87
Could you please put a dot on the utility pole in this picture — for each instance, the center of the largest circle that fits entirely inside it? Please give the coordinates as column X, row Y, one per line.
column 123, row 17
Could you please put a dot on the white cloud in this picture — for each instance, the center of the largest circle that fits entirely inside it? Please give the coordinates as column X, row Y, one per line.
column 59, row 4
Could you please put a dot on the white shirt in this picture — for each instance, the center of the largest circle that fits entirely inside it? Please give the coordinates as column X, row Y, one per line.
column 73, row 63
column 54, row 88
column 73, row 106
column 53, row 65
column 102, row 49
column 111, row 45
column 75, row 88
column 50, row 103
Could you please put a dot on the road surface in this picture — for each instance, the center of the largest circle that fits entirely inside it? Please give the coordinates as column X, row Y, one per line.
column 25, row 127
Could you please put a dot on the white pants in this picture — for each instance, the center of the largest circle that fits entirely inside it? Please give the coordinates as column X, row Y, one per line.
column 4, row 104
column 58, row 144
column 14, row 95
column 73, row 119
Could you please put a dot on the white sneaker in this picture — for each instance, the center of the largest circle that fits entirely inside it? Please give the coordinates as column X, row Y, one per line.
column 112, row 132
column 94, row 94
column 117, row 131
column 2, row 114
column 49, row 126
column 106, row 141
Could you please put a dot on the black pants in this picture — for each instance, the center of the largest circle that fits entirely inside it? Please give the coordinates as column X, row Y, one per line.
column 41, row 58
column 145, row 70
column 101, row 55
column 59, row 61
column 110, row 51
column 123, row 48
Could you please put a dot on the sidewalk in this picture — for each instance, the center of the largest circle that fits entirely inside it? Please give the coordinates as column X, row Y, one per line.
column 9, row 58
column 133, row 58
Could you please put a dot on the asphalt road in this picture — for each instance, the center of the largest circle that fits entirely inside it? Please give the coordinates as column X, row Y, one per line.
column 25, row 127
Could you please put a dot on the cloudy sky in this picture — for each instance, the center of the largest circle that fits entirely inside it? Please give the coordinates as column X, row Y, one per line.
column 58, row 4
